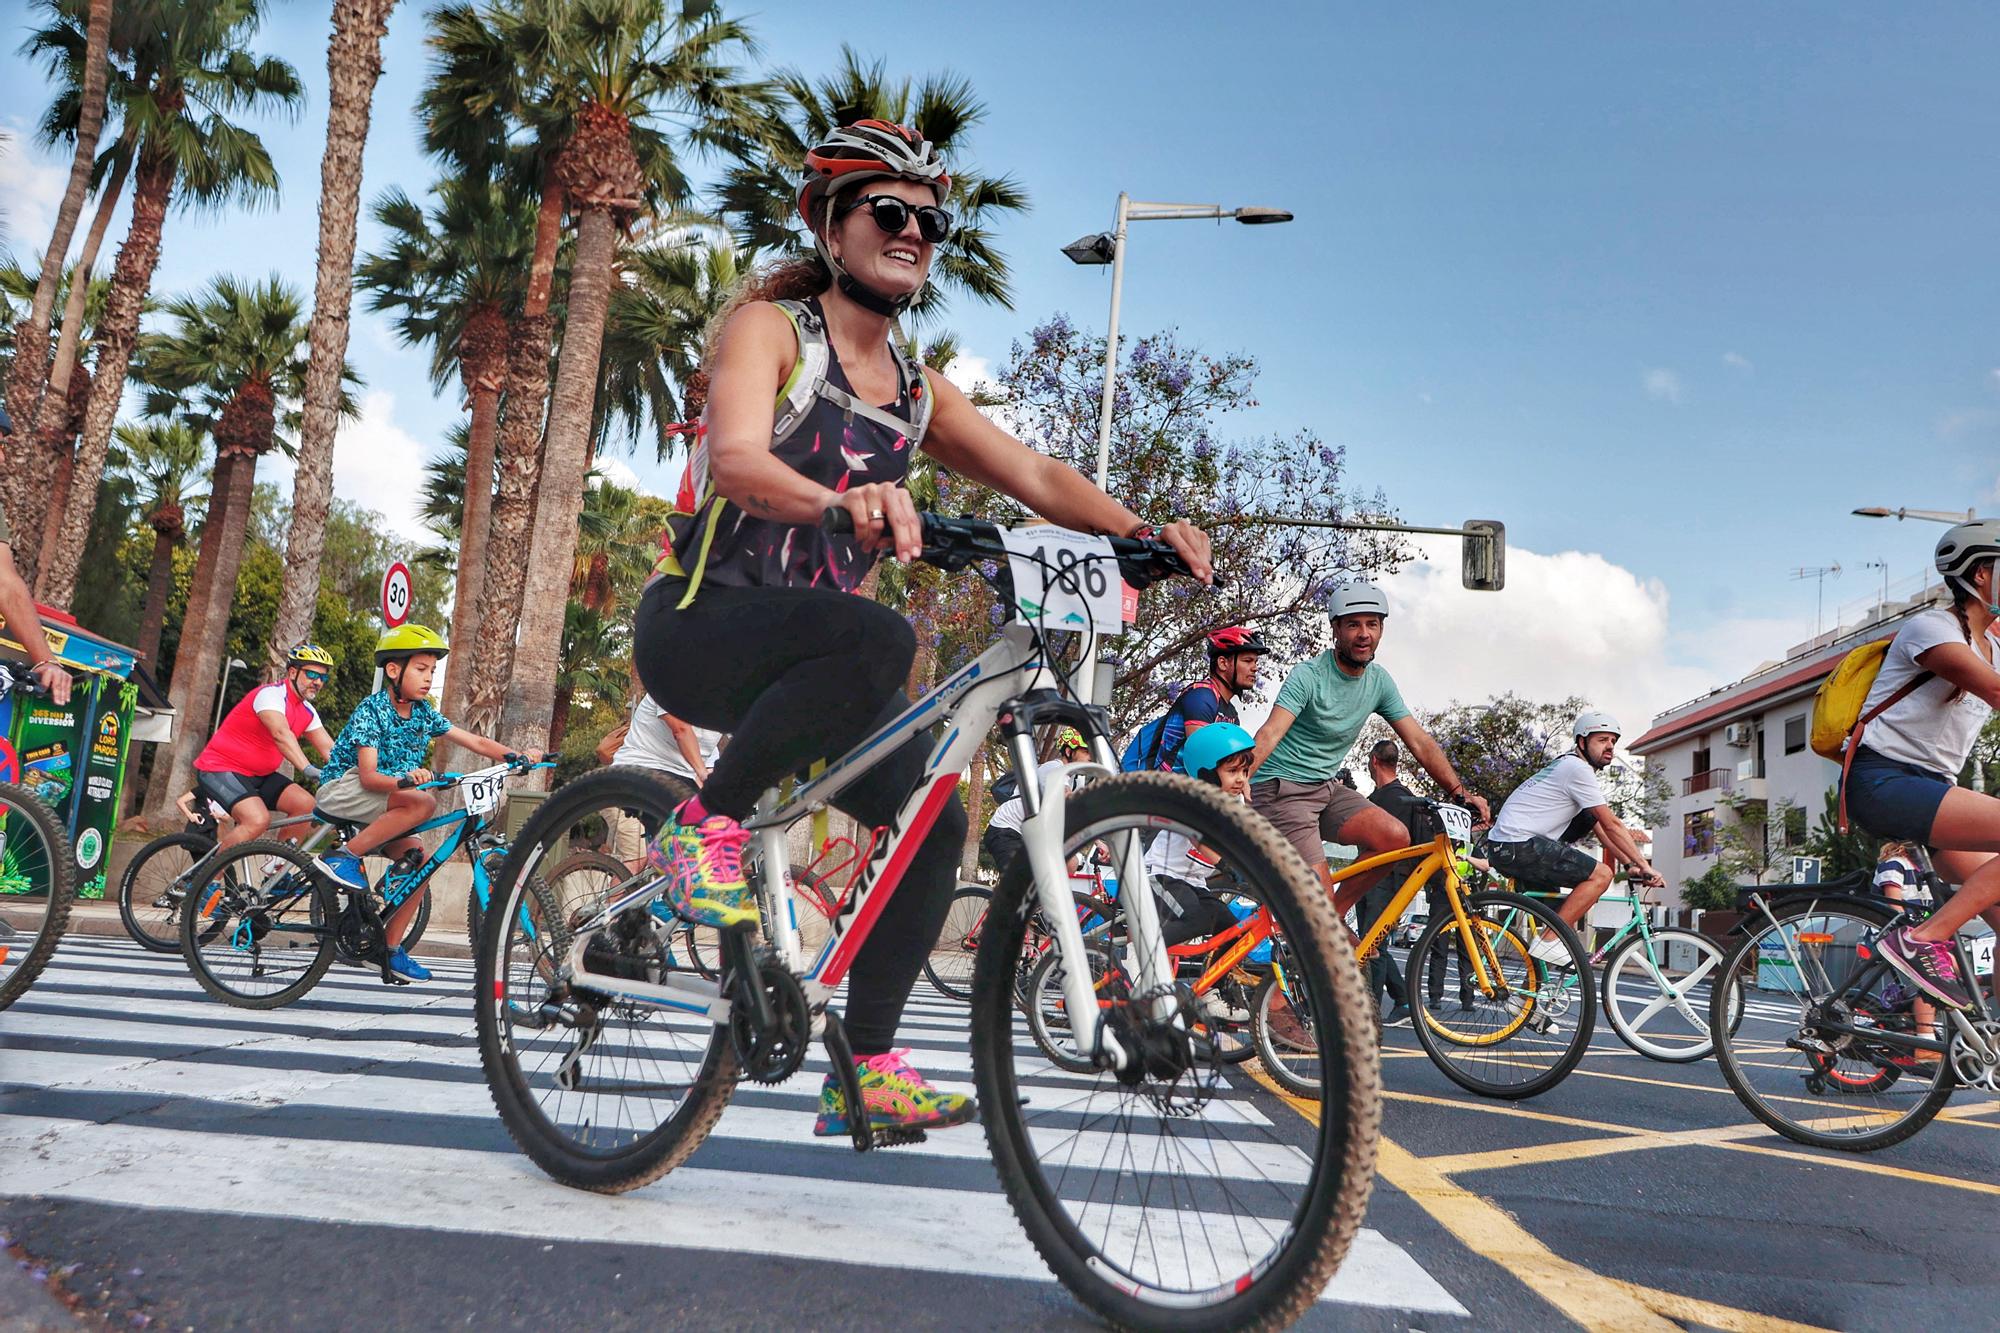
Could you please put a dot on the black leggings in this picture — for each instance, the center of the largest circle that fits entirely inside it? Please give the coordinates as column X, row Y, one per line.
column 1201, row 913
column 795, row 675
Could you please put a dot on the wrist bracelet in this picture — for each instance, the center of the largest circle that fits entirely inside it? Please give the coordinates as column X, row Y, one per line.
column 1144, row 532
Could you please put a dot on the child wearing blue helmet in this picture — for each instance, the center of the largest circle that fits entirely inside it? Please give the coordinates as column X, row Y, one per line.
column 1180, row 870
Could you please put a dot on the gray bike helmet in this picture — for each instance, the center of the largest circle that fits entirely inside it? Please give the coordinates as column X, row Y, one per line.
column 1356, row 599
column 1590, row 721
column 1962, row 548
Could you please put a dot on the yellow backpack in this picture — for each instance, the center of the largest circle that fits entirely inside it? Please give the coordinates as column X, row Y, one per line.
column 1836, row 707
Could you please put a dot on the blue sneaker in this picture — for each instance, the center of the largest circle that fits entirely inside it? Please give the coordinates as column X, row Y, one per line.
column 343, row 868
column 407, row 967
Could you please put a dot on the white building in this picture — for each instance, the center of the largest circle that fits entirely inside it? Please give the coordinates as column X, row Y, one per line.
column 1748, row 740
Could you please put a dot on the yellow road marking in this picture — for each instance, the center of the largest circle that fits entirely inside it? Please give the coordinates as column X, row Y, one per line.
column 1571, row 1150
column 1868, row 1168
column 1591, row 1299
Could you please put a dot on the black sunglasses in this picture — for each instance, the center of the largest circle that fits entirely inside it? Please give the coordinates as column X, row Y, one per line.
column 892, row 215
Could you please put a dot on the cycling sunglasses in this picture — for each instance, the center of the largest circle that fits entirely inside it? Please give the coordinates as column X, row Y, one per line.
column 319, row 676
column 892, row 215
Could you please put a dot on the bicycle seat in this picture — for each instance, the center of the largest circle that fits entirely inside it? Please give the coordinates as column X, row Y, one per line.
column 346, row 828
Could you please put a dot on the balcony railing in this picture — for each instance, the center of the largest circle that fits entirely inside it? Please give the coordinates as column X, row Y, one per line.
column 1715, row 779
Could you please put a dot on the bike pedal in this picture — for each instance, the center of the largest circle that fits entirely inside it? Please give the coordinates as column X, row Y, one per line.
column 897, row 1138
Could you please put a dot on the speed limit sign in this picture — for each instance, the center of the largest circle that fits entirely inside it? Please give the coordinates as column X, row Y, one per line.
column 396, row 595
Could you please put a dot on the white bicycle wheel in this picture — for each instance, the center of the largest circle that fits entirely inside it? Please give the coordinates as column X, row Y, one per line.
column 1657, row 998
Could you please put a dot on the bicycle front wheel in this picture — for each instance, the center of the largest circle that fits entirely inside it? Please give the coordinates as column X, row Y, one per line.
column 1503, row 1023
column 1656, row 994
column 154, row 887
column 37, row 885
column 258, row 927
column 1816, row 1057
column 949, row 963
column 1170, row 1197
column 603, row 1091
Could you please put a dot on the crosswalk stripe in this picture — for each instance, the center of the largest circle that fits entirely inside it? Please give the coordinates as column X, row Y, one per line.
column 381, row 1116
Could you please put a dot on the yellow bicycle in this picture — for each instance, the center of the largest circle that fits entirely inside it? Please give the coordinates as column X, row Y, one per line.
column 1494, row 1012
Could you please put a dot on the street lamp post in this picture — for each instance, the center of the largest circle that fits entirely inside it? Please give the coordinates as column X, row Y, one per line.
column 1109, row 248
column 1928, row 515
column 222, row 690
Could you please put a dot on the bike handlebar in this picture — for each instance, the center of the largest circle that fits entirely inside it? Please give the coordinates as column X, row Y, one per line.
column 953, row 543
column 519, row 763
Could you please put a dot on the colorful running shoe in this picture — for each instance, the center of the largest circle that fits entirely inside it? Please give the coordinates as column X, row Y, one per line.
column 703, row 867
column 897, row 1097
column 1929, row 963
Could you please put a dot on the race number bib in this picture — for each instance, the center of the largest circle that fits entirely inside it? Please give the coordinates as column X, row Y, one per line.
column 483, row 794
column 1457, row 823
column 1064, row 579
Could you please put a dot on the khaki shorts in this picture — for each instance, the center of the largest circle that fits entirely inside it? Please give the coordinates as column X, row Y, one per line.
column 345, row 798
column 628, row 839
column 1309, row 814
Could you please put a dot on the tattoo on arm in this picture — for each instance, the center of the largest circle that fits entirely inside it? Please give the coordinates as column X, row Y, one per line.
column 761, row 505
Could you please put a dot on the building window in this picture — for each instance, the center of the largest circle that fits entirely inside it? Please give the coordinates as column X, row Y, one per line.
column 1698, row 833
column 1795, row 734
column 1703, row 756
column 1795, row 826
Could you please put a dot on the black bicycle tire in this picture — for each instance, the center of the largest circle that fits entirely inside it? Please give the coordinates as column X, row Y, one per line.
column 1632, row 943
column 657, row 1153
column 324, row 898
column 1037, row 1029
column 1349, row 1110
column 953, row 990
column 1267, row 1052
column 199, row 846
column 1586, row 996
column 62, row 888
column 1725, row 1057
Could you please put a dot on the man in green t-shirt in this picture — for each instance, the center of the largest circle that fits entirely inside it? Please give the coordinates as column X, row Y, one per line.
column 1320, row 709
column 17, row 604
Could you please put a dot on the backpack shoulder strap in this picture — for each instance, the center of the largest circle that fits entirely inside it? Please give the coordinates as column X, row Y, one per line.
column 1896, row 696
column 807, row 382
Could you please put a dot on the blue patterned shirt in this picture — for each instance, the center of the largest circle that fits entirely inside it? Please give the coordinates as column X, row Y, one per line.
column 400, row 743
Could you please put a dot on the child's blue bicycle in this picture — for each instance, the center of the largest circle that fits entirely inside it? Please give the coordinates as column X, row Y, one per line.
column 267, row 923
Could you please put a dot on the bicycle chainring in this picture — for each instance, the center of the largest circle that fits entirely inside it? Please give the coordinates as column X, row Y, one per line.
column 770, row 1054
column 1972, row 1068
column 359, row 934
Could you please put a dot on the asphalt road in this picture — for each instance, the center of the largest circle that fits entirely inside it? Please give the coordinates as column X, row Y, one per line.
column 335, row 1163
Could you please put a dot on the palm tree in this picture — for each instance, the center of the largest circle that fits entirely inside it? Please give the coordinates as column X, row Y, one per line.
column 660, row 312
column 190, row 70
column 603, row 70
column 29, row 373
column 353, row 64
column 62, row 403
column 164, row 459
column 618, row 536
column 759, row 195
column 595, row 650
column 234, row 351
column 453, row 278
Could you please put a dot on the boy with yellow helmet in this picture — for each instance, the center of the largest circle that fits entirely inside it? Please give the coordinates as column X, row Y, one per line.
column 385, row 741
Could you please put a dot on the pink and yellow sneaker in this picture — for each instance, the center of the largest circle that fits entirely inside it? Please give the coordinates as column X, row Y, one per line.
column 703, row 866
column 897, row 1097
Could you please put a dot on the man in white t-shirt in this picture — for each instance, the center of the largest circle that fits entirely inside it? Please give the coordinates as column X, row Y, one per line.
column 658, row 740
column 1003, row 841
column 1531, row 836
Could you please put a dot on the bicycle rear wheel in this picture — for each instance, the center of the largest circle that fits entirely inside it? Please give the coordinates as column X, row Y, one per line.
column 155, row 885
column 37, row 886
column 1804, row 984
column 258, row 929
column 1175, row 1201
column 604, row 1092
column 1527, row 1022
column 950, row 962
column 1656, row 995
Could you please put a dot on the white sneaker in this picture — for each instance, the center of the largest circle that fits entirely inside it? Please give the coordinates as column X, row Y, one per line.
column 1551, row 950
column 1218, row 1010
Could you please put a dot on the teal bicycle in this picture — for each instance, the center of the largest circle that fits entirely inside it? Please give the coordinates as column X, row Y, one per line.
column 1654, row 983
column 266, row 923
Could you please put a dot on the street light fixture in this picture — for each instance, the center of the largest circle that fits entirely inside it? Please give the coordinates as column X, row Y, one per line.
column 222, row 690
column 1109, row 248
column 1928, row 515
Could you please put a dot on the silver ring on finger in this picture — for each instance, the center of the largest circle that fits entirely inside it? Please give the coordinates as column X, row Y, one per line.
column 875, row 514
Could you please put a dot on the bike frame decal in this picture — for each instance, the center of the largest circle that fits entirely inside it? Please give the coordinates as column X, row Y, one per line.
column 874, row 896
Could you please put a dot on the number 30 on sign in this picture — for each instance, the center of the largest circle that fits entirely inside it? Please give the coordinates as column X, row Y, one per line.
column 396, row 595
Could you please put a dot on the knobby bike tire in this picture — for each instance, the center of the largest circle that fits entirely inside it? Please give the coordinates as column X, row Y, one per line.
column 655, row 1153
column 1342, row 1124
column 17, row 803
column 166, row 938
column 1440, row 1039
column 1280, row 1056
column 1626, row 954
column 1742, row 960
column 199, row 936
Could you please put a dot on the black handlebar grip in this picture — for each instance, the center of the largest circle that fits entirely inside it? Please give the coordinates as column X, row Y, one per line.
column 837, row 522
column 405, row 783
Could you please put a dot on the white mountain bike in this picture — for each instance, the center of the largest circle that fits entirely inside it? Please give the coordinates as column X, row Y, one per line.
column 1150, row 1185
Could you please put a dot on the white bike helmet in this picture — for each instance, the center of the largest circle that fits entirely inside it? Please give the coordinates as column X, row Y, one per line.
column 1962, row 548
column 1591, row 721
column 1356, row 599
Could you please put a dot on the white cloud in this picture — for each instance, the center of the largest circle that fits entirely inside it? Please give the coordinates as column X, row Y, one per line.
column 1738, row 361
column 31, row 188
column 1568, row 623
column 1663, row 384
column 1994, row 377
column 969, row 371
column 376, row 464
column 619, row 473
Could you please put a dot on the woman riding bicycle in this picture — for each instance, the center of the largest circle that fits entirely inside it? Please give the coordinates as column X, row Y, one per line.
column 749, row 625
column 1939, row 686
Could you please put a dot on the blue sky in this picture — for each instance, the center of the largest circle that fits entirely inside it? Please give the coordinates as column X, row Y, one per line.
column 1668, row 290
